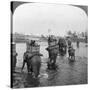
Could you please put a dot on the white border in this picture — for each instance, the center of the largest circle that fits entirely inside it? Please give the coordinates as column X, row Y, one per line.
column 5, row 43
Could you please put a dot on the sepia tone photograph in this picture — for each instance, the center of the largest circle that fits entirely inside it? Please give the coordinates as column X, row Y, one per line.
column 49, row 44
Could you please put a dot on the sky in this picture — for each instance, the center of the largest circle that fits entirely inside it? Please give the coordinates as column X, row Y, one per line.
column 55, row 19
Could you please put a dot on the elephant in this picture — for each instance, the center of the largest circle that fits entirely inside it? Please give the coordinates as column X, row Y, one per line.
column 52, row 56
column 33, row 63
column 71, row 52
column 62, row 46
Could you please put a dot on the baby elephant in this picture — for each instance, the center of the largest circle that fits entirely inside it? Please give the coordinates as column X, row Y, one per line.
column 71, row 52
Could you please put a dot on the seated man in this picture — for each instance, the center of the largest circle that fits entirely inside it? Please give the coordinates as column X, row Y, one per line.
column 32, row 43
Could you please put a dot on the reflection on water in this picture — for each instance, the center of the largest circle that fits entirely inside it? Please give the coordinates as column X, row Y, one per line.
column 67, row 72
column 30, row 81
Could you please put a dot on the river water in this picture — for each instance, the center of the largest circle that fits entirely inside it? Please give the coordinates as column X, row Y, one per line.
column 66, row 74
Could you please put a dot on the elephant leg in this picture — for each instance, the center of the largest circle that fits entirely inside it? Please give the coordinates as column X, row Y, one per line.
column 74, row 57
column 31, row 69
column 23, row 65
column 59, row 50
column 53, row 62
column 69, row 54
column 50, row 60
column 39, row 69
column 55, row 59
column 70, row 57
column 35, row 71
column 28, row 67
column 49, row 55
